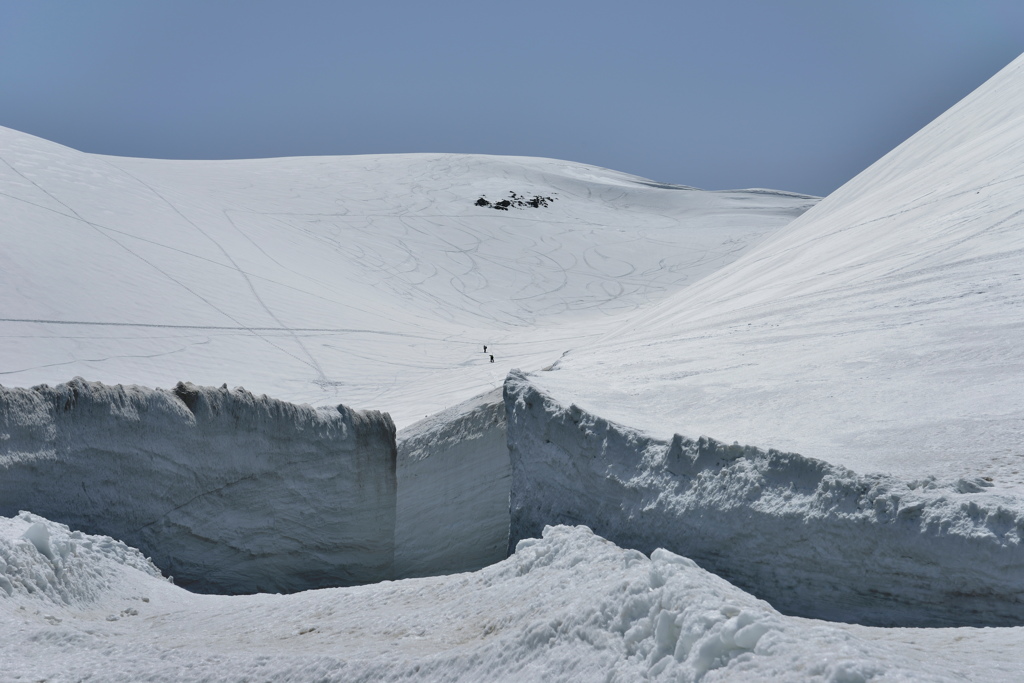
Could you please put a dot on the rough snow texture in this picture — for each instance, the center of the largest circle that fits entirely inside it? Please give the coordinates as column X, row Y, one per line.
column 812, row 538
column 453, row 483
column 227, row 491
column 566, row 607
column 57, row 566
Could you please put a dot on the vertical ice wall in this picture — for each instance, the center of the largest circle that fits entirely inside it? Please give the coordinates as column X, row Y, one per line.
column 227, row 491
column 813, row 539
column 453, row 485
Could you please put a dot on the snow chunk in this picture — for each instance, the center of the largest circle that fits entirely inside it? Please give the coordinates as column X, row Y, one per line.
column 39, row 536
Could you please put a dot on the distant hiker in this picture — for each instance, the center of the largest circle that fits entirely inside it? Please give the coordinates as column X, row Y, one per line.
column 485, row 348
column 492, row 358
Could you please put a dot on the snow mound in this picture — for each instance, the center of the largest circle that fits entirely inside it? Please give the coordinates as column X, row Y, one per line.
column 52, row 564
column 227, row 491
column 567, row 606
column 812, row 538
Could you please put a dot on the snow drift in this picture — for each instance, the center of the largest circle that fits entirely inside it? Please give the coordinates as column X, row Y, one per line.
column 568, row 606
column 60, row 567
column 453, row 476
column 812, row 538
column 227, row 491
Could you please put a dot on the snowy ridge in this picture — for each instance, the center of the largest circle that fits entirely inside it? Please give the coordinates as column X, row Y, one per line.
column 568, row 606
column 812, row 538
column 227, row 491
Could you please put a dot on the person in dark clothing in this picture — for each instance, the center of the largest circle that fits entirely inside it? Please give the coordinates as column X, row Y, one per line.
column 485, row 348
column 492, row 358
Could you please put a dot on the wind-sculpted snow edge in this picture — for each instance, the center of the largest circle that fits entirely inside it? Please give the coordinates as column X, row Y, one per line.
column 227, row 491
column 814, row 539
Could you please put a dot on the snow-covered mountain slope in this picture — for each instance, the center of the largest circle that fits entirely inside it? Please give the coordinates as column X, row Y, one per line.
column 881, row 330
column 226, row 491
column 568, row 606
column 372, row 281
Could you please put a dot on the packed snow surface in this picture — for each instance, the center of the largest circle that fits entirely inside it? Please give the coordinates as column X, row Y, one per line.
column 881, row 330
column 568, row 606
column 372, row 281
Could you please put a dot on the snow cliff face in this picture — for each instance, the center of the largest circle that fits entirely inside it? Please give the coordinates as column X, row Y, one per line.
column 814, row 539
column 453, row 484
column 227, row 491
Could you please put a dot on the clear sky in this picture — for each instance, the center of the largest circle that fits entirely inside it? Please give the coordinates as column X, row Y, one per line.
column 790, row 94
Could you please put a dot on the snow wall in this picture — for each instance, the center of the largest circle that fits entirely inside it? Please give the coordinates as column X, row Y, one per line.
column 814, row 539
column 453, row 485
column 227, row 491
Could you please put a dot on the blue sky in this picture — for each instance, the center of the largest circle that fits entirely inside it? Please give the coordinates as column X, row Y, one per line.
column 796, row 95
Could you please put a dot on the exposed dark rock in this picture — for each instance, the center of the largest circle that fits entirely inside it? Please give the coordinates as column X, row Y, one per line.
column 517, row 201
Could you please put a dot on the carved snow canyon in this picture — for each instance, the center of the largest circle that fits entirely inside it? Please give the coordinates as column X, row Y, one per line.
column 616, row 430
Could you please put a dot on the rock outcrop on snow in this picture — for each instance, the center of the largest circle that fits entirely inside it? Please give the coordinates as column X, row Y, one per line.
column 812, row 538
column 227, row 491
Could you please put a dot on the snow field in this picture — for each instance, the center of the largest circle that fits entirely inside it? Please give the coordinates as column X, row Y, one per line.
column 371, row 281
column 869, row 351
